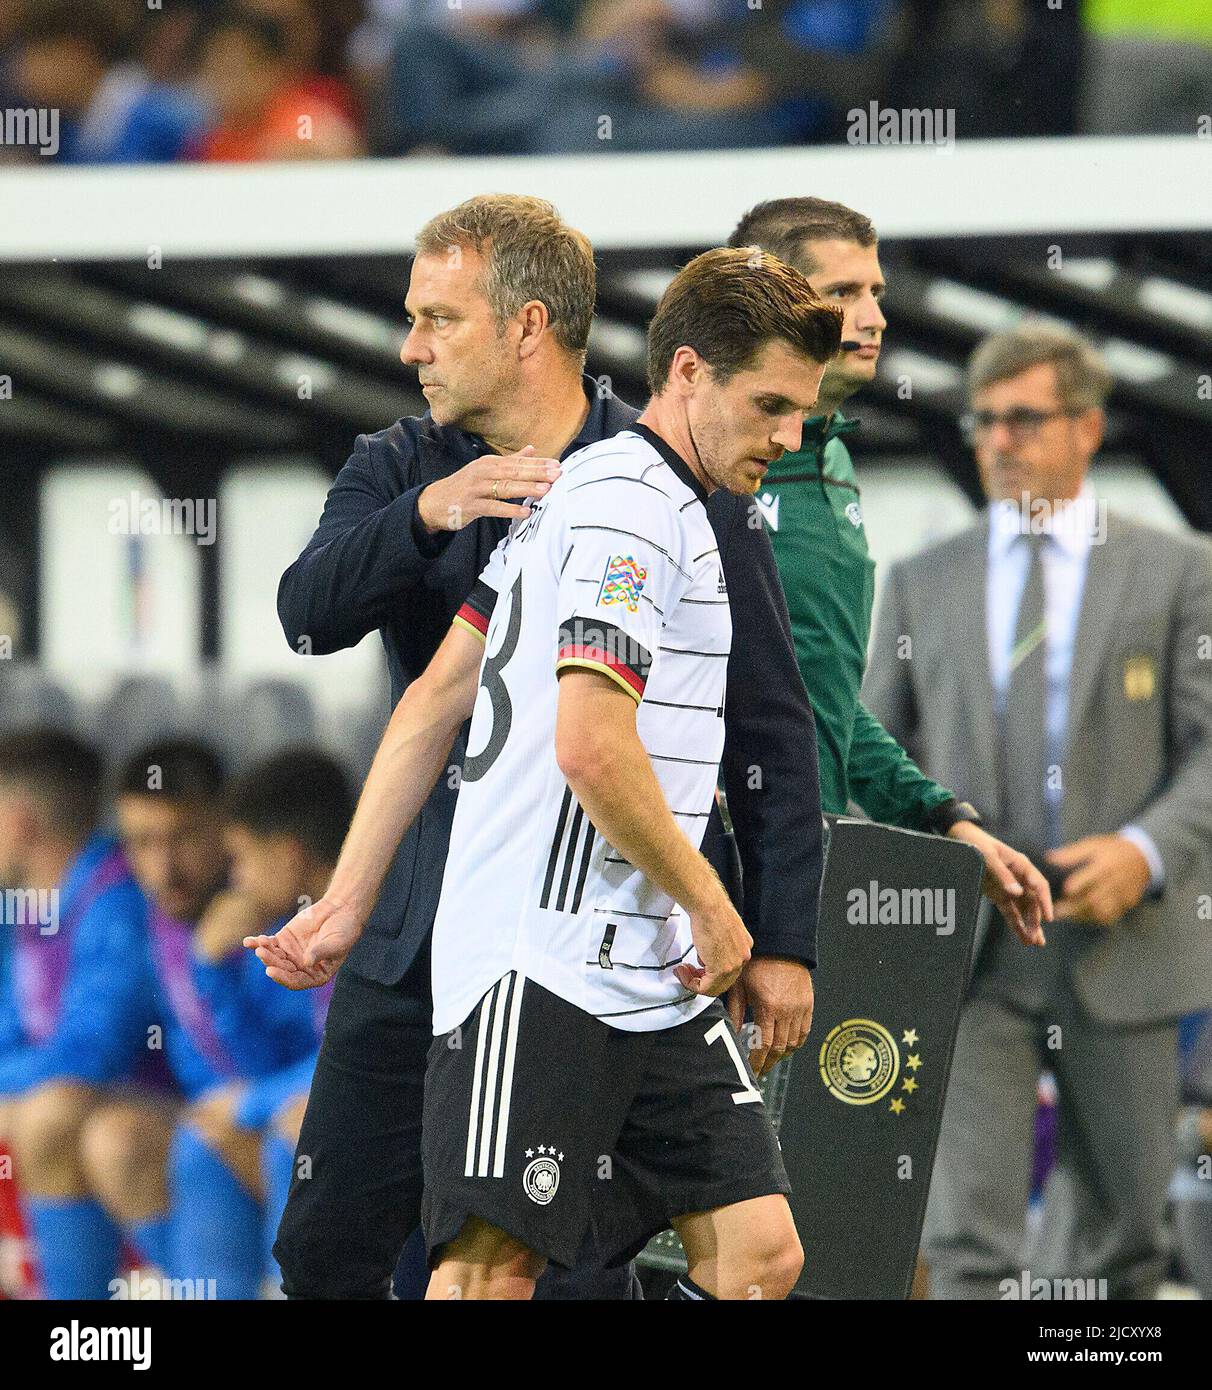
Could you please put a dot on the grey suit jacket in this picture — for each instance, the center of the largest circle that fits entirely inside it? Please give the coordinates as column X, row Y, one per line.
column 1139, row 733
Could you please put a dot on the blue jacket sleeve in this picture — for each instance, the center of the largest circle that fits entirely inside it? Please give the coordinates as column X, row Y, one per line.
column 770, row 755
column 12, row 1035
column 369, row 548
column 262, row 1026
column 107, row 1001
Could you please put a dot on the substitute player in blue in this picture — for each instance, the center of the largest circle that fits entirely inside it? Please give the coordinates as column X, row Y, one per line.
column 73, row 1005
column 151, row 1168
column 286, row 818
column 581, row 938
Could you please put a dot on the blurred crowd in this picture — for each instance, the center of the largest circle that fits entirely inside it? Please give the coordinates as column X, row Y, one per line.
column 283, row 79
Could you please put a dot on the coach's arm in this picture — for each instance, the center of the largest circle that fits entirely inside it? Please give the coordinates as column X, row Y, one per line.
column 774, row 798
column 412, row 754
column 381, row 530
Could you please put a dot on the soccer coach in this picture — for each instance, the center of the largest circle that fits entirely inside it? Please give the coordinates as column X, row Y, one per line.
column 500, row 300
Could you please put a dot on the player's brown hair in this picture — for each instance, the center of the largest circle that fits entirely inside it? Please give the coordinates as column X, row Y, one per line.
column 728, row 304
column 531, row 253
column 786, row 227
column 1083, row 381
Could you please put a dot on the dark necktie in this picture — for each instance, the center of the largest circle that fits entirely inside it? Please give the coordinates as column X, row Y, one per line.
column 1024, row 726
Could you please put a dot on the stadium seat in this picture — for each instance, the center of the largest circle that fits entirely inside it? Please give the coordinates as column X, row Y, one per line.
column 271, row 715
column 29, row 696
column 138, row 710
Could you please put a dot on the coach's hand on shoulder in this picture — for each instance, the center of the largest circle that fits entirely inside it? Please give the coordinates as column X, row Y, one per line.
column 309, row 950
column 1012, row 883
column 450, row 503
column 722, row 943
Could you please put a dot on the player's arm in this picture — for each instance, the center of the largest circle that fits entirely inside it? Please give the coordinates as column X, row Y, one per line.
column 411, row 756
column 600, row 754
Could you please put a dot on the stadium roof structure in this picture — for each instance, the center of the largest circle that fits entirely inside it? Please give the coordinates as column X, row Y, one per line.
column 185, row 316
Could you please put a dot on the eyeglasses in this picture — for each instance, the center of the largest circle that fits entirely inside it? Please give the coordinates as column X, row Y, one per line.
column 1021, row 422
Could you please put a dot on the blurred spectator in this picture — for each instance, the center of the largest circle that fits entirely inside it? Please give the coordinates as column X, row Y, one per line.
column 265, row 106
column 1006, row 67
column 317, row 33
column 471, row 80
column 72, row 59
column 1150, row 68
column 822, row 58
column 706, row 74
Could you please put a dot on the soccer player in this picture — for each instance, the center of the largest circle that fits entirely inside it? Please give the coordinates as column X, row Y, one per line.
column 219, row 1025
column 286, row 818
column 810, row 502
column 583, row 1068
column 71, row 1010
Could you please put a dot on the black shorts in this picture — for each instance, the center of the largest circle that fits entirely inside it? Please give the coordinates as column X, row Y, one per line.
column 548, row 1124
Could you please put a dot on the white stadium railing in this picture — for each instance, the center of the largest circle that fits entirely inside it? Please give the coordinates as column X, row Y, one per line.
column 620, row 201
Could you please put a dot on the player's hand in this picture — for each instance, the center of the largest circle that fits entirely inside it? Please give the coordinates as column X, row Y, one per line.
column 723, row 945
column 1012, row 884
column 230, row 916
column 779, row 995
column 1110, row 875
column 309, row 949
column 450, row 503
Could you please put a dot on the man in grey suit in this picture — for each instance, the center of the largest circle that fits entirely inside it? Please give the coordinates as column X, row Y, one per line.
column 1053, row 660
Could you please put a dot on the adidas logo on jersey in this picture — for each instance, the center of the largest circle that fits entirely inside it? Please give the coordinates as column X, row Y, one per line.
column 721, row 588
column 768, row 505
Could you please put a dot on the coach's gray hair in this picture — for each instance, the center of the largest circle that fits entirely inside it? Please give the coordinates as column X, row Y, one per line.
column 1083, row 381
column 531, row 253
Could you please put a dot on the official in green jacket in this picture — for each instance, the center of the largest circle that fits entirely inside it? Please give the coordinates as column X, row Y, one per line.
column 813, row 510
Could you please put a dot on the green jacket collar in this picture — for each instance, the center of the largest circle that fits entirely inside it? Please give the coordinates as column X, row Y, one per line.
column 820, row 429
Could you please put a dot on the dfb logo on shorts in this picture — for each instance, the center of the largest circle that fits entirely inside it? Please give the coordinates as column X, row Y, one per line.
column 541, row 1180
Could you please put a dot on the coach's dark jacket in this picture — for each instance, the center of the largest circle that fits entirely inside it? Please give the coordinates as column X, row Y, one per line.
column 371, row 564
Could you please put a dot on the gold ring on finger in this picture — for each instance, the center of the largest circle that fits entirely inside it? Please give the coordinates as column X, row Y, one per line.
column 495, row 498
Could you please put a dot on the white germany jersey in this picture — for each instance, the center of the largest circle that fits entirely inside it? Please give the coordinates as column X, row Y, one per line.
column 615, row 569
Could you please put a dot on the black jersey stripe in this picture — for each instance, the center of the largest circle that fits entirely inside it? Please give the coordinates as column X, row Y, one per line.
column 635, row 536
column 554, row 858
column 574, row 839
column 586, row 853
column 623, row 478
column 627, row 965
column 647, row 1008
column 672, row 704
column 683, row 651
column 647, row 916
column 697, row 762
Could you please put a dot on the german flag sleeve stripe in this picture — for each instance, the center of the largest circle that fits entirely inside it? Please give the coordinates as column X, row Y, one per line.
column 602, row 646
column 477, row 609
